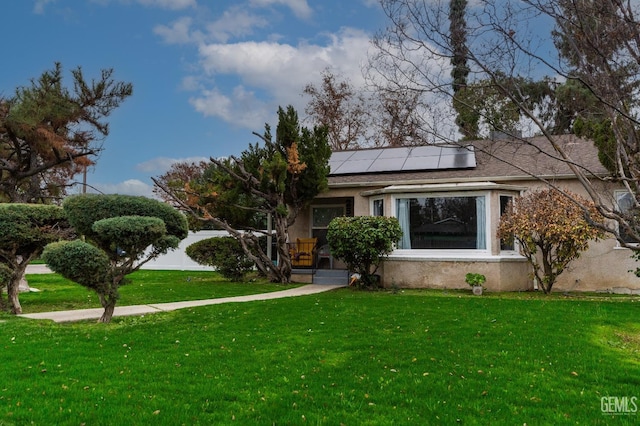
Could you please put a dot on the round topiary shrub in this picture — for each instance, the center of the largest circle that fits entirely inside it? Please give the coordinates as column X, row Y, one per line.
column 362, row 242
column 223, row 253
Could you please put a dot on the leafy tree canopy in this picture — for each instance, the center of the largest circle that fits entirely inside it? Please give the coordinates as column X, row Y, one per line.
column 551, row 229
column 49, row 133
column 25, row 229
column 277, row 178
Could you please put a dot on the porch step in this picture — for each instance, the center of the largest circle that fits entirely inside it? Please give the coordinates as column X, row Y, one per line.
column 331, row 276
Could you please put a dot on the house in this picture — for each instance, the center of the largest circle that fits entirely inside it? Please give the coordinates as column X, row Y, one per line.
column 449, row 200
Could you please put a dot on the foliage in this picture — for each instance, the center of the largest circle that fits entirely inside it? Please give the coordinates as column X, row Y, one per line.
column 475, row 279
column 552, row 229
column 466, row 119
column 356, row 117
column 49, row 133
column 175, row 178
column 25, row 229
column 494, row 104
column 277, row 178
column 340, row 108
column 87, row 209
column 80, row 262
column 223, row 253
column 122, row 233
column 362, row 242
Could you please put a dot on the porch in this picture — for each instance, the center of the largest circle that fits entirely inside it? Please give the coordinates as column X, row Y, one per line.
column 313, row 264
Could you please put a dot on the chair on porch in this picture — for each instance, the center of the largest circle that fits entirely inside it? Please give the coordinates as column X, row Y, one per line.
column 303, row 252
column 324, row 253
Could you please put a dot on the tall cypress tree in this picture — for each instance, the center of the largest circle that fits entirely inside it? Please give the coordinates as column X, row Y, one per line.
column 458, row 34
column 467, row 117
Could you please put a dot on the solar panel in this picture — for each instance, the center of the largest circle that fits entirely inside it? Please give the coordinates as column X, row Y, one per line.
column 401, row 159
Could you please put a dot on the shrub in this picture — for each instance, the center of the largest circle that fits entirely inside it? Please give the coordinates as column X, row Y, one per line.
column 362, row 242
column 223, row 253
column 551, row 229
column 25, row 229
column 82, row 263
column 122, row 233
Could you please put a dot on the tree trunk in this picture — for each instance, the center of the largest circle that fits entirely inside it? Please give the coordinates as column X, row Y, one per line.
column 109, row 307
column 12, row 296
column 13, row 288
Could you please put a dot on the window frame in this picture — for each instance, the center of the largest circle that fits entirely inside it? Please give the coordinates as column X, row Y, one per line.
column 514, row 243
column 463, row 253
column 316, row 206
column 372, row 203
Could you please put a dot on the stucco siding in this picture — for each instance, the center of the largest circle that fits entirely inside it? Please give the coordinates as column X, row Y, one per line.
column 502, row 274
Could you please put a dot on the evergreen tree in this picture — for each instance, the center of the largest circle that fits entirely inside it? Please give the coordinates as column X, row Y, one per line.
column 276, row 178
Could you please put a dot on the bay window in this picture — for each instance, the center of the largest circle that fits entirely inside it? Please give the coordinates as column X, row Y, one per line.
column 442, row 222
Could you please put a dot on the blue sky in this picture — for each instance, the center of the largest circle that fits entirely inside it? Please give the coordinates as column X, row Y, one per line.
column 205, row 73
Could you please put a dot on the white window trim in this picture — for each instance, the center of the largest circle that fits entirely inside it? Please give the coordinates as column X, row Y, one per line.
column 444, row 254
column 371, row 202
column 516, row 247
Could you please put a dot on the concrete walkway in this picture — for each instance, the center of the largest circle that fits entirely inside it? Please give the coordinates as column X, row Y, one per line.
column 87, row 314
column 38, row 269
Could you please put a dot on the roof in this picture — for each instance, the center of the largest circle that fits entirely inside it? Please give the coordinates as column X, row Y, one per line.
column 402, row 159
column 495, row 160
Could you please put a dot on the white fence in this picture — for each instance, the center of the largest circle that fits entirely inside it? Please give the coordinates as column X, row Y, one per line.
column 178, row 259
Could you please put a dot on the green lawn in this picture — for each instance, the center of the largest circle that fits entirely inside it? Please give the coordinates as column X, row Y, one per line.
column 343, row 357
column 146, row 286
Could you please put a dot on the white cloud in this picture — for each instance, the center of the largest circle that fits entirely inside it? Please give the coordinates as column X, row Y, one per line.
column 160, row 165
column 128, row 187
column 235, row 22
column 270, row 74
column 371, row 3
column 162, row 4
column 240, row 107
column 169, row 4
column 39, row 6
column 300, row 8
column 176, row 33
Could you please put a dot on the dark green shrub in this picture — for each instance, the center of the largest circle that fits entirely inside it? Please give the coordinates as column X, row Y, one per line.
column 82, row 263
column 223, row 253
column 85, row 210
column 362, row 242
column 122, row 233
column 25, row 229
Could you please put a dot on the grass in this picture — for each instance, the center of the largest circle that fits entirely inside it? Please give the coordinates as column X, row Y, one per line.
column 343, row 357
column 146, row 286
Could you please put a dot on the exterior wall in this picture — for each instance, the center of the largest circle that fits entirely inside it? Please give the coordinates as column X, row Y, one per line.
column 302, row 226
column 502, row 275
column 604, row 267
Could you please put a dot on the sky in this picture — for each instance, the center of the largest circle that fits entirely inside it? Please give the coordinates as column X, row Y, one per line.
column 205, row 73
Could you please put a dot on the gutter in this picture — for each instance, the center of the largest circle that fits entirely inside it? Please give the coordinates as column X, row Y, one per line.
column 441, row 181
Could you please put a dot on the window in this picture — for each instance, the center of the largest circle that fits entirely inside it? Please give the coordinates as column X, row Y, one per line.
column 449, row 222
column 377, row 207
column 504, row 202
column 625, row 204
column 322, row 215
column 320, row 218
